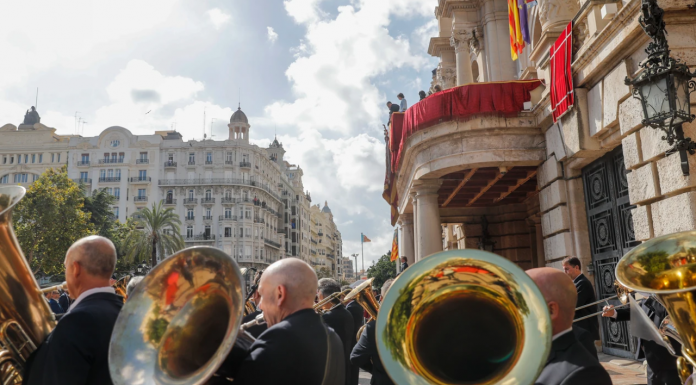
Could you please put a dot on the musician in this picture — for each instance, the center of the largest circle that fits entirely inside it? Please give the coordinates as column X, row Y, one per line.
column 53, row 303
column 356, row 311
column 662, row 366
column 132, row 283
column 297, row 348
column 586, row 295
column 64, row 301
column 255, row 330
column 568, row 363
column 365, row 353
column 77, row 350
column 338, row 318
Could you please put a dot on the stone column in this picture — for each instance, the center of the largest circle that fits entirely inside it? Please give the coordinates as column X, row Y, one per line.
column 427, row 221
column 460, row 41
column 406, row 246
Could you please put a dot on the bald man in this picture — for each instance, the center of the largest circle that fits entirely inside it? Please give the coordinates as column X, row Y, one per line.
column 297, row 348
column 77, row 350
column 569, row 363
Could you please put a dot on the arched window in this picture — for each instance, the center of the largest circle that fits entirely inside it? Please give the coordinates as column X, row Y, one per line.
column 170, row 195
column 190, row 194
column 208, row 194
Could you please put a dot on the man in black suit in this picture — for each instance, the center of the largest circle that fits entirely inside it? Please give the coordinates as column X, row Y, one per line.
column 51, row 297
column 297, row 348
column 365, row 353
column 568, row 363
column 356, row 311
column 586, row 294
column 64, row 301
column 404, row 264
column 338, row 318
column 662, row 366
column 77, row 350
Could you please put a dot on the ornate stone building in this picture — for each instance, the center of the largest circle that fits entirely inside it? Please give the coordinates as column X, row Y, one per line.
column 230, row 194
column 593, row 185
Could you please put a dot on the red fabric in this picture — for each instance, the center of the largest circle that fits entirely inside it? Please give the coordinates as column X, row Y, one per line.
column 502, row 98
column 560, row 56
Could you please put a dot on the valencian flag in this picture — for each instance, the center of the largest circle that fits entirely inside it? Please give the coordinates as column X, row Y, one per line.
column 395, row 246
column 519, row 26
column 365, row 239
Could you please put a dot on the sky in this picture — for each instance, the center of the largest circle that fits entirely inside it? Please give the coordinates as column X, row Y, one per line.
column 316, row 73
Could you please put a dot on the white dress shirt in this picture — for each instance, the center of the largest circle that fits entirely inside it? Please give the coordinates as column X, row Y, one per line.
column 562, row 333
column 85, row 294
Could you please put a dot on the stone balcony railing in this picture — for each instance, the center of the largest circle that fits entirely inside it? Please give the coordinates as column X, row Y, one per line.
column 219, row 181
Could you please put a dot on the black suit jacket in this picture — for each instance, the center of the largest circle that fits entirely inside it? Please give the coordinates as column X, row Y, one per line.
column 356, row 311
column 586, row 295
column 659, row 359
column 586, row 340
column 255, row 330
column 293, row 351
column 77, row 350
column 365, row 356
column 340, row 320
column 64, row 301
column 571, row 364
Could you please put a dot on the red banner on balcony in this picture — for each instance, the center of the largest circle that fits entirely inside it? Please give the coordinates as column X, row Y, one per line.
column 560, row 57
column 494, row 98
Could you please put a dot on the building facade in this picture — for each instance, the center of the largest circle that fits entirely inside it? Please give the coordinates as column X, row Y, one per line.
column 229, row 194
column 592, row 185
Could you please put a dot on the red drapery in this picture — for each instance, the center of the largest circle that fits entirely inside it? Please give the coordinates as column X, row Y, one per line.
column 560, row 56
column 498, row 98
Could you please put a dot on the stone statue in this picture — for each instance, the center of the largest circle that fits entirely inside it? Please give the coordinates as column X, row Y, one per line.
column 31, row 117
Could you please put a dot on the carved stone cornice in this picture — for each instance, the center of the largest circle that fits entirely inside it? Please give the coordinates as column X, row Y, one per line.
column 461, row 39
column 438, row 45
column 447, row 7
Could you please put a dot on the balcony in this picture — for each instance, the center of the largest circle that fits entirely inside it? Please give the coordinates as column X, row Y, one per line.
column 200, row 238
column 228, row 217
column 208, row 201
column 109, row 179
column 209, row 163
column 259, row 220
column 207, row 217
column 111, row 161
column 227, row 201
column 219, row 181
column 142, row 161
column 190, row 201
column 321, row 234
column 271, row 243
column 170, row 164
column 229, row 163
column 83, row 180
column 191, row 163
column 140, row 198
column 189, row 218
column 140, row 179
column 245, row 164
column 83, row 163
column 169, row 202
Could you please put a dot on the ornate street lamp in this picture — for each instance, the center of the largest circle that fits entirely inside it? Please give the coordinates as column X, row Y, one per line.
column 664, row 86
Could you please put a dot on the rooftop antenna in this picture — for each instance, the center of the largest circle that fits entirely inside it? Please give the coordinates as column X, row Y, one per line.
column 76, row 112
column 212, row 122
column 36, row 101
column 204, row 122
column 239, row 98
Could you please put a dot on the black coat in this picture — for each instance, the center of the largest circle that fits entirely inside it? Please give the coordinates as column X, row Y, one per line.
column 356, row 311
column 586, row 340
column 365, row 356
column 64, row 301
column 571, row 364
column 77, row 350
column 255, row 330
column 659, row 359
column 294, row 351
column 586, row 295
column 340, row 320
column 55, row 306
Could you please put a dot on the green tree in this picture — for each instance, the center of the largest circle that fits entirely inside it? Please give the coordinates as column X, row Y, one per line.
column 101, row 215
column 49, row 219
column 158, row 231
column 324, row 272
column 382, row 270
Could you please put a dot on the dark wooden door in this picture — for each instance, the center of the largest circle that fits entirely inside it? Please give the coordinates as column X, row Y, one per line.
column 610, row 226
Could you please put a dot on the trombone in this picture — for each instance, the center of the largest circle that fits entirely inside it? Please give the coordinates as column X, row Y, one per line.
column 63, row 286
column 363, row 295
column 622, row 293
column 339, row 295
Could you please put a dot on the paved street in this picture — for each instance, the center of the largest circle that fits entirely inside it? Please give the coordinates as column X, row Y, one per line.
column 622, row 371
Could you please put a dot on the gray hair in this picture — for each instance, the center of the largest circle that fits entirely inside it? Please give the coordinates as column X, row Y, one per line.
column 96, row 254
column 132, row 284
column 328, row 286
column 385, row 286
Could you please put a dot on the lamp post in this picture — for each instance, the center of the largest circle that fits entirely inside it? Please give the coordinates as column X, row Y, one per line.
column 664, row 86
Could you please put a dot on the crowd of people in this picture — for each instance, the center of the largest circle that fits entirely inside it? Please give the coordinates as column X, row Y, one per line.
column 299, row 344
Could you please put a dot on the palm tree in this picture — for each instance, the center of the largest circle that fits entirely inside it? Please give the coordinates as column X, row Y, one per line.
column 160, row 232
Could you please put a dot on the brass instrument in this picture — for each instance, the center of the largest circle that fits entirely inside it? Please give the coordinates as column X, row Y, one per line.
column 463, row 317
column 63, row 286
column 622, row 293
column 666, row 268
column 336, row 297
column 120, row 287
column 362, row 294
column 249, row 305
column 25, row 317
column 181, row 321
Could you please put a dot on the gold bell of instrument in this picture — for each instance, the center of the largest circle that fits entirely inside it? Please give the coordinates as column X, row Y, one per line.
column 666, row 268
column 362, row 294
column 463, row 317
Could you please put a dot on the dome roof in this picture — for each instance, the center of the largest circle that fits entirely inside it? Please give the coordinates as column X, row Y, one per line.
column 239, row 116
column 326, row 208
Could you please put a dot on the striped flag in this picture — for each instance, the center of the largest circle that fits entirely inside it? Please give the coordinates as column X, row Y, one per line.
column 395, row 246
column 365, row 239
column 516, row 39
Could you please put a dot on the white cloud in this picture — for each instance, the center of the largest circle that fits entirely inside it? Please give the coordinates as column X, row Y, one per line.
column 218, row 17
column 272, row 35
column 303, row 11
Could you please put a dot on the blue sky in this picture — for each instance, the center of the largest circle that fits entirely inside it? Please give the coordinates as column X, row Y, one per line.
column 317, row 71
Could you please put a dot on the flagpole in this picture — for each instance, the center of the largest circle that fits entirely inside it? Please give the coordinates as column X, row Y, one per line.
column 362, row 251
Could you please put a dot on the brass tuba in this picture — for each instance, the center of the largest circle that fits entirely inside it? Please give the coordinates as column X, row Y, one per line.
column 463, row 317
column 362, row 294
column 666, row 268
column 181, row 321
column 25, row 317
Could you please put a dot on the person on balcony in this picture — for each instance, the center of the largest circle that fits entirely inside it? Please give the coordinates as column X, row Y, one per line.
column 392, row 108
column 403, row 105
column 421, row 95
